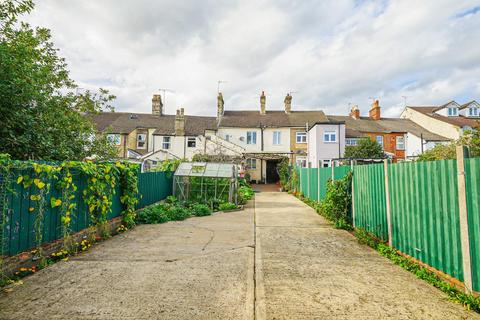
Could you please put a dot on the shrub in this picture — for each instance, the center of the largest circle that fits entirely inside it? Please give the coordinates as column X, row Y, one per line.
column 201, row 210
column 178, row 213
column 227, row 206
column 336, row 205
column 245, row 193
column 154, row 214
column 171, row 200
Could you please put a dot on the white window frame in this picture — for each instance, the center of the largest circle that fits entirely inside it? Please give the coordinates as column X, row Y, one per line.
column 114, row 138
column 301, row 162
column 326, row 163
column 251, row 164
column 166, row 143
column 351, row 141
column 473, row 112
column 301, row 137
column 228, row 137
column 401, row 144
column 141, row 138
column 251, row 137
column 452, row 111
column 191, row 140
column 381, row 140
column 328, row 135
column 277, row 138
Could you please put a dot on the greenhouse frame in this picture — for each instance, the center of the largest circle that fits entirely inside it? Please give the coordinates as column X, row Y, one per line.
column 206, row 181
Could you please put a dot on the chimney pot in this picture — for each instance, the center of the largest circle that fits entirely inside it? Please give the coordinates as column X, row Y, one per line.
column 220, row 105
column 263, row 100
column 180, row 123
column 157, row 105
column 288, row 103
column 374, row 112
column 355, row 112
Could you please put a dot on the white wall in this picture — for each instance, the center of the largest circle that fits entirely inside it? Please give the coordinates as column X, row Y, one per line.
column 178, row 145
column 413, row 145
column 318, row 149
column 239, row 137
column 284, row 145
column 433, row 125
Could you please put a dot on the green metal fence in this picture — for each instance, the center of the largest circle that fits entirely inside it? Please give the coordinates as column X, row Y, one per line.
column 425, row 214
column 472, row 180
column 369, row 199
column 19, row 233
column 424, row 208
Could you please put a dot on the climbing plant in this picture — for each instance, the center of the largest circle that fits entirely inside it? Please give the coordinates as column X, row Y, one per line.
column 129, row 187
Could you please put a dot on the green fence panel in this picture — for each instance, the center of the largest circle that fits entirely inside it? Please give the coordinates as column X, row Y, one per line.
column 153, row 187
column 313, row 172
column 341, row 171
column 19, row 235
column 369, row 199
column 472, row 179
column 325, row 175
column 303, row 181
column 425, row 215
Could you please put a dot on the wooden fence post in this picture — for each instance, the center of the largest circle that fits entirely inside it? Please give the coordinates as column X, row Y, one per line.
column 332, row 163
column 462, row 206
column 387, row 202
column 353, row 195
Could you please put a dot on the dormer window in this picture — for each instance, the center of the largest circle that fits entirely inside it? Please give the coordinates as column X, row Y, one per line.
column 452, row 111
column 473, row 112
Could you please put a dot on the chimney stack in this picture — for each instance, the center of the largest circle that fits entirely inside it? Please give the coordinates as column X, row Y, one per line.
column 374, row 112
column 288, row 103
column 157, row 105
column 263, row 100
column 220, row 105
column 355, row 112
column 180, row 123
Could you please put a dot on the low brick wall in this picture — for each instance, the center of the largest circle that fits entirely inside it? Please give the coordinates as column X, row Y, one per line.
column 29, row 259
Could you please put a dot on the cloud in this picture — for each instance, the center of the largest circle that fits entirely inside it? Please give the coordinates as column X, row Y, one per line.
column 329, row 53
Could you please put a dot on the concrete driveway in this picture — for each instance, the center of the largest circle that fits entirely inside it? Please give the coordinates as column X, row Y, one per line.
column 275, row 260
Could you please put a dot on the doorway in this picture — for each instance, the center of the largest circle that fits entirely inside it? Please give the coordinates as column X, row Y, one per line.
column 272, row 171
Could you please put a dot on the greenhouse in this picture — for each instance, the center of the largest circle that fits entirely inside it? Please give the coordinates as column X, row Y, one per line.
column 206, row 182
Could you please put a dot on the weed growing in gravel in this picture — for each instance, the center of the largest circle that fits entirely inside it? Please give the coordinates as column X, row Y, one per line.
column 469, row 301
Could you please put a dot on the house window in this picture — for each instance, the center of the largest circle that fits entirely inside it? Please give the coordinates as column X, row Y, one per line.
column 141, row 141
column 380, row 140
column 326, row 163
column 351, row 142
column 251, row 137
column 301, row 137
column 192, row 142
column 301, row 162
column 330, row 136
column 452, row 111
column 228, row 137
column 400, row 145
column 166, row 143
column 114, row 139
column 473, row 112
column 251, row 164
column 277, row 137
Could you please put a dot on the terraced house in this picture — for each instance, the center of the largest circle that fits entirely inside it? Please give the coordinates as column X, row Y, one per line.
column 449, row 120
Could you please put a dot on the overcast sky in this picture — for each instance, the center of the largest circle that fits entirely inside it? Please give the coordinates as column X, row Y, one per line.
column 329, row 53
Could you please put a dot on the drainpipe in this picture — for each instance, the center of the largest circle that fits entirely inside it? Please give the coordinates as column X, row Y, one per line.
column 184, row 147
column 339, row 142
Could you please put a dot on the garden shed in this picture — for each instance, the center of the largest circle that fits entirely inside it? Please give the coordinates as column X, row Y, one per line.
column 206, row 182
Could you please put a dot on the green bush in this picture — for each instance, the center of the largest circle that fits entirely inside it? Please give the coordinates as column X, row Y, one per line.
column 178, row 213
column 245, row 193
column 227, row 206
column 201, row 210
column 336, row 205
column 154, row 214
column 171, row 200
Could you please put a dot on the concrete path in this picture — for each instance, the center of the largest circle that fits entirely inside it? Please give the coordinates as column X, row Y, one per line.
column 279, row 260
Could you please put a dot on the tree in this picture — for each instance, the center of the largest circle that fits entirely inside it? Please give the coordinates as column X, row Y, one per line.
column 42, row 117
column 366, row 148
column 471, row 139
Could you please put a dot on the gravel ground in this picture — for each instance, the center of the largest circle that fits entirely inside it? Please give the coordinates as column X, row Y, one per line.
column 279, row 260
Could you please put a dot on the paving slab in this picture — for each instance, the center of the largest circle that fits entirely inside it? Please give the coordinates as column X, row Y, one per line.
column 308, row 270
column 201, row 268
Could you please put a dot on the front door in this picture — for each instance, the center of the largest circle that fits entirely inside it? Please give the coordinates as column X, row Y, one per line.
column 272, row 171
